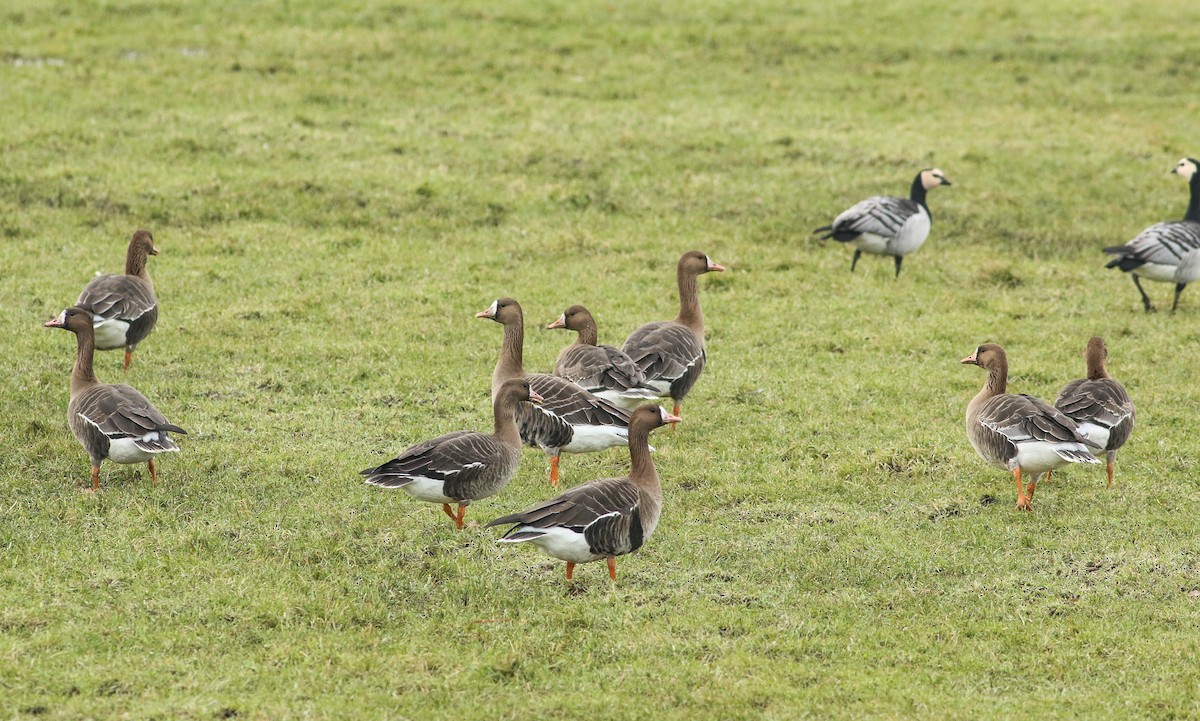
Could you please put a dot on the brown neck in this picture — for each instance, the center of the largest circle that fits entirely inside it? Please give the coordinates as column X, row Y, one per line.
column 1095, row 366
column 587, row 334
column 83, row 376
column 511, row 351
column 641, row 469
column 504, row 411
column 997, row 383
column 135, row 261
column 689, row 302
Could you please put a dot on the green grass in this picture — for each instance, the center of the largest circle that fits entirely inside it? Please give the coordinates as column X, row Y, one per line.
column 336, row 190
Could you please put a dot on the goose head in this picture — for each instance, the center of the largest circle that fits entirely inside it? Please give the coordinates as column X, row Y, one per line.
column 73, row 319
column 694, row 262
column 504, row 311
column 933, row 177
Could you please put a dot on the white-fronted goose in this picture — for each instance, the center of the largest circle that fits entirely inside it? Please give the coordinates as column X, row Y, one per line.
column 602, row 370
column 123, row 307
column 111, row 421
column 1019, row 433
column 671, row 353
column 1099, row 405
column 604, row 518
column 461, row 466
column 886, row 225
column 1167, row 252
column 569, row 418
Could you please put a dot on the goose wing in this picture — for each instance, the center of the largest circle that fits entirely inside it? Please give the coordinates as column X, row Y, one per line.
column 1022, row 418
column 120, row 411
column 882, row 215
column 603, row 511
column 455, row 459
column 664, row 351
column 117, row 297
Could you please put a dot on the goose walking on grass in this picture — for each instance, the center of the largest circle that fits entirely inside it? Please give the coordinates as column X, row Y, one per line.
column 1099, row 404
column 886, row 225
column 602, row 370
column 111, row 421
column 1168, row 252
column 569, row 419
column 123, row 307
column 671, row 353
column 604, row 518
column 1019, row 433
column 461, row 466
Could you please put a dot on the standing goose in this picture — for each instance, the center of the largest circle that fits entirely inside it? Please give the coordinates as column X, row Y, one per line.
column 123, row 307
column 605, row 518
column 111, row 421
column 885, row 225
column 671, row 353
column 1019, row 433
column 1169, row 251
column 602, row 370
column 461, row 466
column 1099, row 404
column 569, row 418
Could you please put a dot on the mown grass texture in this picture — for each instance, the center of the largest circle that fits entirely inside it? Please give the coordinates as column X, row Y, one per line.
column 337, row 188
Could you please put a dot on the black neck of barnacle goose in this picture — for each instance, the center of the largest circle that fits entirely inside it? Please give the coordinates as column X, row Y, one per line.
column 917, row 192
column 1193, row 209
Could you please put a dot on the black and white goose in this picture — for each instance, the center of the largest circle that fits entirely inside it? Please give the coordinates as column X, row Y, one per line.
column 123, row 307
column 1099, row 404
column 886, row 225
column 1168, row 251
column 569, row 419
column 672, row 353
column 605, row 518
column 1019, row 433
column 111, row 421
column 602, row 370
column 461, row 466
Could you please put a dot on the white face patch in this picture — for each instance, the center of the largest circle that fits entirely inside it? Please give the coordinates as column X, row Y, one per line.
column 932, row 178
column 1186, row 168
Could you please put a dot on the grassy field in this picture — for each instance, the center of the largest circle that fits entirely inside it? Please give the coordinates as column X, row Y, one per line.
column 336, row 190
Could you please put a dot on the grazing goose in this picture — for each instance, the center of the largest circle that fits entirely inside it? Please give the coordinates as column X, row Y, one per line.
column 123, row 307
column 885, row 225
column 602, row 370
column 1099, row 405
column 111, row 421
column 604, row 518
column 1019, row 433
column 569, row 418
column 1168, row 252
column 671, row 353
column 461, row 466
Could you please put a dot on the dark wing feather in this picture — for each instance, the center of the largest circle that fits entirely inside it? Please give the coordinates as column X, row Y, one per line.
column 882, row 215
column 119, row 411
column 119, row 297
column 665, row 351
column 1022, row 419
column 580, row 507
column 598, row 368
column 1102, row 401
column 1166, row 243
column 564, row 405
column 457, row 459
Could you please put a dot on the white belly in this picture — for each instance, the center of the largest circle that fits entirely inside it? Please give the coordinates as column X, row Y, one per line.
column 1156, row 271
column 586, row 439
column 1095, row 433
column 1039, row 457
column 424, row 489
column 871, row 243
column 565, row 545
column 124, row 450
column 912, row 234
column 110, row 334
column 628, row 402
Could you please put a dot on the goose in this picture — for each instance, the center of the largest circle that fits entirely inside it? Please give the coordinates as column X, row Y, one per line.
column 602, row 370
column 1099, row 405
column 569, row 418
column 124, row 307
column 111, row 421
column 1019, row 433
column 885, row 225
column 461, row 466
column 1169, row 251
column 671, row 353
column 605, row 518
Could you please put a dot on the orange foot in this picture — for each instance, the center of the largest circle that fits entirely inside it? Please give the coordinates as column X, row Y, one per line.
column 554, row 471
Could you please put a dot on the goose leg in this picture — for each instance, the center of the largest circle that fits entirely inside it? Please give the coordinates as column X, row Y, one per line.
column 1111, row 458
column 153, row 472
column 612, row 567
column 1022, row 501
column 554, row 471
column 128, row 357
column 448, row 512
column 95, row 480
column 1178, row 289
column 570, row 570
column 1146, row 304
column 462, row 513
column 854, row 261
column 1031, row 488
column 899, row 260
column 676, row 414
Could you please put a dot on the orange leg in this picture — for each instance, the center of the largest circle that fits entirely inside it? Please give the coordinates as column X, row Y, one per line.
column 462, row 513
column 153, row 472
column 95, row 480
column 612, row 567
column 570, row 570
column 676, row 413
column 554, row 471
column 448, row 512
column 1110, row 470
column 1022, row 501
column 128, row 357
column 1031, row 488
